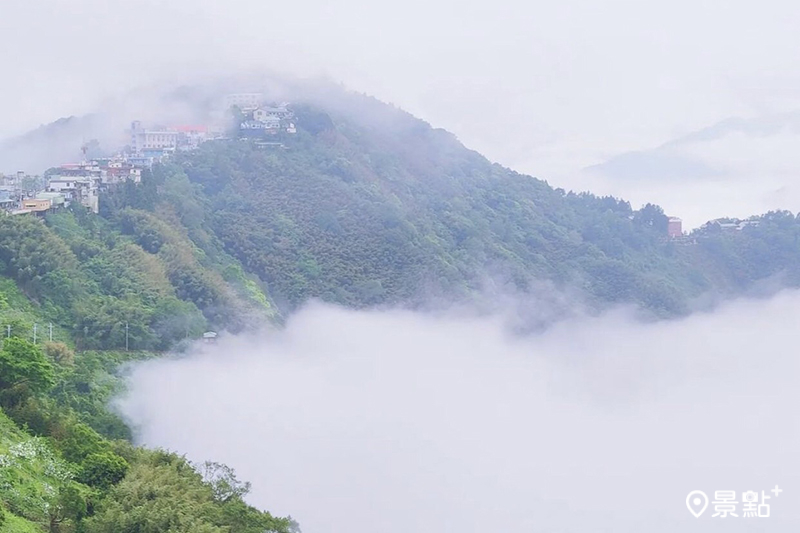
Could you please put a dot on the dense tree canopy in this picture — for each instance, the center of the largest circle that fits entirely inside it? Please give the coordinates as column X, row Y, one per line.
column 22, row 364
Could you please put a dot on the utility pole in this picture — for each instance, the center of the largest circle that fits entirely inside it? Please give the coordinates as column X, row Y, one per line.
column 34, row 333
column 8, row 328
column 51, row 332
column 126, row 336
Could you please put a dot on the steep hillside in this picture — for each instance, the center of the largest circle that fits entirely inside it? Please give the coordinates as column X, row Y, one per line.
column 135, row 277
column 27, row 469
column 66, row 463
column 364, row 206
column 367, row 205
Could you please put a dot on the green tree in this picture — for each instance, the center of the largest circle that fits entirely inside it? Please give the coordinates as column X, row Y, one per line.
column 223, row 482
column 22, row 364
column 159, row 496
column 79, row 441
column 102, row 470
column 68, row 505
column 162, row 492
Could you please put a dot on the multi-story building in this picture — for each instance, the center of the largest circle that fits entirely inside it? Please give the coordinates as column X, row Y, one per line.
column 674, row 227
column 122, row 174
column 279, row 112
column 190, row 137
column 244, row 101
column 119, row 169
column 77, row 189
column 255, row 128
column 90, row 169
column 145, row 141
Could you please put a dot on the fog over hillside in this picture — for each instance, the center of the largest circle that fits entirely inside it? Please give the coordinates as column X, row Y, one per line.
column 547, row 89
column 399, row 421
column 417, row 159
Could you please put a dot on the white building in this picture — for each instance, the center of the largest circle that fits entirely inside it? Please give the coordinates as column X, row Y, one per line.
column 159, row 140
column 122, row 173
column 269, row 121
column 244, row 101
column 280, row 112
column 76, row 189
column 147, row 140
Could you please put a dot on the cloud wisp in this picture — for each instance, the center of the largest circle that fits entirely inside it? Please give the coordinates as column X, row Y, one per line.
column 395, row 421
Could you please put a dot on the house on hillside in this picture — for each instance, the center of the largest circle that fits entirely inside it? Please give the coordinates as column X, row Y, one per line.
column 81, row 190
column 244, row 101
column 268, row 120
column 118, row 170
column 7, row 202
column 674, row 227
column 140, row 160
column 279, row 112
column 255, row 128
column 35, row 205
column 190, row 137
column 162, row 141
column 56, row 199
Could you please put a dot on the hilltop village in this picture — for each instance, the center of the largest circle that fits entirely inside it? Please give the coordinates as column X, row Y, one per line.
column 84, row 182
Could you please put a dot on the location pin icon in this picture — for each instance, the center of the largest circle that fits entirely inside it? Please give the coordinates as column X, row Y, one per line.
column 697, row 501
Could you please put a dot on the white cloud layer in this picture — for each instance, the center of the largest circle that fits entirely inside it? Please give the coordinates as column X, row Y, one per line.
column 396, row 421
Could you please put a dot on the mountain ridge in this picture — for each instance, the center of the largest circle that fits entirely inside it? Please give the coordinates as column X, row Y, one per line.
column 364, row 206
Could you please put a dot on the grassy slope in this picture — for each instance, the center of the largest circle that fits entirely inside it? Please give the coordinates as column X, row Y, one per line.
column 25, row 477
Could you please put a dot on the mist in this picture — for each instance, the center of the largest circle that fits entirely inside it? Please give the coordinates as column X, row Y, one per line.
column 547, row 89
column 395, row 421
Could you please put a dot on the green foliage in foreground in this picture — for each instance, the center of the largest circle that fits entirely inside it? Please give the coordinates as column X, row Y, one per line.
column 23, row 366
column 62, row 476
column 163, row 492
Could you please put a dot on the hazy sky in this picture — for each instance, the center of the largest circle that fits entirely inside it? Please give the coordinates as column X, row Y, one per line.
column 395, row 421
column 546, row 87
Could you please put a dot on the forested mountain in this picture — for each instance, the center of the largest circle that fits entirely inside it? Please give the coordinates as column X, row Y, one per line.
column 368, row 205
column 364, row 206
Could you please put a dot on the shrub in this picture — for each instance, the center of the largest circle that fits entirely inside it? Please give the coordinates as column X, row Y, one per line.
column 102, row 470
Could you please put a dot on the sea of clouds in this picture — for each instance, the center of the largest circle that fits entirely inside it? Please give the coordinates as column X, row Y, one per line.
column 398, row 421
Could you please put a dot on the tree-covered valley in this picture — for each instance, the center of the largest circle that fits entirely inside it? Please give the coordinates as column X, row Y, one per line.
column 365, row 206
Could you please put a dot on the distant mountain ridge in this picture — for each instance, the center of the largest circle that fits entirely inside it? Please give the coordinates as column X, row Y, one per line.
column 678, row 160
